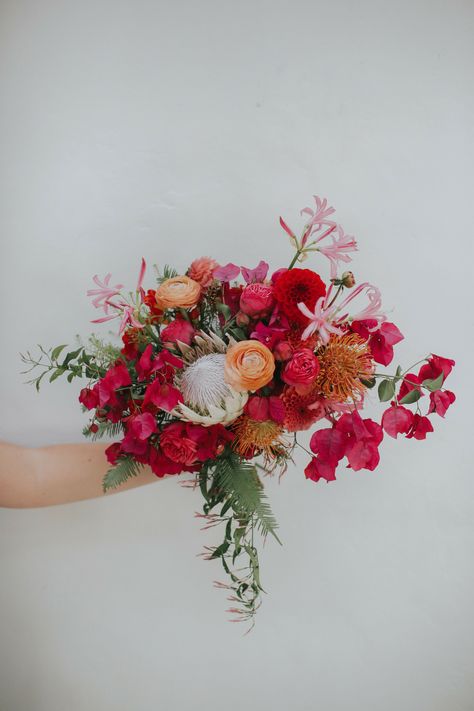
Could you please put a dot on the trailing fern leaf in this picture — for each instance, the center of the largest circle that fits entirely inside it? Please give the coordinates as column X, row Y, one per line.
column 240, row 480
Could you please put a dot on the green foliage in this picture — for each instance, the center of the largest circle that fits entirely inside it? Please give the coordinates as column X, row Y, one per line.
column 386, row 390
column 106, row 429
column 233, row 485
column 411, row 397
column 240, row 480
column 168, row 273
column 125, row 468
column 433, row 384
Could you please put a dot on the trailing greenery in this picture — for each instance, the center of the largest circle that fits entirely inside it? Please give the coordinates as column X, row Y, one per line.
column 82, row 362
column 234, row 485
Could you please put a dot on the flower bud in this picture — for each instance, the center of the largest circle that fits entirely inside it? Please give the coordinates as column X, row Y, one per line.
column 242, row 319
column 348, row 280
column 282, row 351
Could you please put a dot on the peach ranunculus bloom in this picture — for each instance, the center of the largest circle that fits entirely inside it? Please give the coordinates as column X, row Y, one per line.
column 249, row 365
column 178, row 292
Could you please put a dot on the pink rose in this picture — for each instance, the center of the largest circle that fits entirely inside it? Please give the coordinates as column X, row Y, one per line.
column 178, row 330
column 301, row 371
column 176, row 446
column 257, row 300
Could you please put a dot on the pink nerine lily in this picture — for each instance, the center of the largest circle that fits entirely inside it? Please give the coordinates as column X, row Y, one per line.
column 374, row 308
column 104, row 292
column 337, row 251
column 320, row 320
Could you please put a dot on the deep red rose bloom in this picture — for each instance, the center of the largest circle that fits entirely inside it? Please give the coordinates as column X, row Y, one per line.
column 295, row 286
column 175, row 445
column 178, row 330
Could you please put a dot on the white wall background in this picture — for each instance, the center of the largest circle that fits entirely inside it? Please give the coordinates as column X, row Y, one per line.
column 175, row 129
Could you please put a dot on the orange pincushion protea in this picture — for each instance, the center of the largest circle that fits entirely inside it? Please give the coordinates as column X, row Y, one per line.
column 344, row 362
column 252, row 436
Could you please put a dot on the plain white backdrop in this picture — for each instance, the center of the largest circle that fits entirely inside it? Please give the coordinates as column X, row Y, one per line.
column 176, row 129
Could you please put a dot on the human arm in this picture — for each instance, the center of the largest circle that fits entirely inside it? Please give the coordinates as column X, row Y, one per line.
column 58, row 474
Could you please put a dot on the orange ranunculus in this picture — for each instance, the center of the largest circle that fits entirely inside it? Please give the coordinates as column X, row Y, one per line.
column 249, row 365
column 178, row 292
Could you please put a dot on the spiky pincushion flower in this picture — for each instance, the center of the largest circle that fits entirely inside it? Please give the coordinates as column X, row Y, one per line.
column 208, row 399
column 344, row 363
column 253, row 436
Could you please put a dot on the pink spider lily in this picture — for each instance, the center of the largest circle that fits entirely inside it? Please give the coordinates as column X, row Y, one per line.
column 338, row 250
column 104, row 292
column 320, row 320
column 372, row 311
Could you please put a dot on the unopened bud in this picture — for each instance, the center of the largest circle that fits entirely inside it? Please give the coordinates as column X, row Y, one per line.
column 348, row 280
column 282, row 351
column 242, row 319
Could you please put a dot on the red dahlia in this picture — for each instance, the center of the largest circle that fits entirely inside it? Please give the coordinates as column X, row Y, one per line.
column 295, row 286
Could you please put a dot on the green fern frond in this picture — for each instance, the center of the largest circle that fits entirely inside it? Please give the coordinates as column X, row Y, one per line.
column 106, row 429
column 241, row 482
column 125, row 468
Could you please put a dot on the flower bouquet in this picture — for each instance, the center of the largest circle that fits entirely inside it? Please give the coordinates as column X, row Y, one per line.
column 220, row 368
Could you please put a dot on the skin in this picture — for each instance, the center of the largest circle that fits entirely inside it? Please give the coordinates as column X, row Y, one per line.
column 59, row 474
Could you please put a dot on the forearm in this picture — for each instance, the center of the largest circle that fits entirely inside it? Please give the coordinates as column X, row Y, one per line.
column 45, row 476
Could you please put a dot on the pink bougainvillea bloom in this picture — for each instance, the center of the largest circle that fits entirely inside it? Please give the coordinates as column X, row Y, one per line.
column 435, row 366
column 381, row 342
column 115, row 378
column 162, row 395
column 258, row 274
column 142, row 426
column 352, row 437
column 440, row 401
column 319, row 320
column 227, row 273
column 420, row 427
column 104, row 293
column 397, row 420
column 319, row 469
column 267, row 335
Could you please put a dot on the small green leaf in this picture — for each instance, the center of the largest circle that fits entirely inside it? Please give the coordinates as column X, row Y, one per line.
column 386, row 390
column 368, row 383
column 433, row 384
column 57, row 373
column 56, row 352
column 410, row 397
column 71, row 356
column 398, row 374
column 224, row 310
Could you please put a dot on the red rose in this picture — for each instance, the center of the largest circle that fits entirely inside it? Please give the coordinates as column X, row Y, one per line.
column 176, row 446
column 302, row 370
column 257, row 300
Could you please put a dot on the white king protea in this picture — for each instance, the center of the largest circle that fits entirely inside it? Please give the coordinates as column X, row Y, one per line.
column 208, row 400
